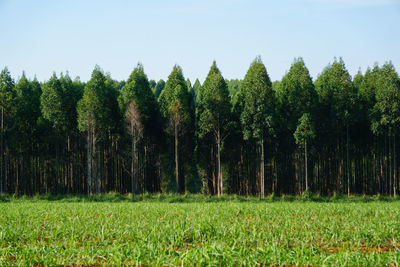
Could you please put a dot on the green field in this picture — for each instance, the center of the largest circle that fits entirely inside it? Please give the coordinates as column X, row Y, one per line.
column 219, row 233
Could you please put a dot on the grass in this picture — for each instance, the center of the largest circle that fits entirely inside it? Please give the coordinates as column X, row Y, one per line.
column 195, row 230
column 190, row 198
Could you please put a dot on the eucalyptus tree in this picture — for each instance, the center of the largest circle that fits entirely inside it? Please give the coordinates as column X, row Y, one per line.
column 72, row 91
column 139, row 106
column 7, row 109
column 27, row 99
column 337, row 96
column 192, row 96
column 304, row 134
column 97, row 115
column 152, row 84
column 233, row 86
column 238, row 157
column 53, row 110
column 51, row 102
column 175, row 108
column 159, row 87
column 196, row 87
column 258, row 111
column 370, row 141
column 388, row 104
column 296, row 96
column 194, row 92
column 297, row 90
column 214, row 114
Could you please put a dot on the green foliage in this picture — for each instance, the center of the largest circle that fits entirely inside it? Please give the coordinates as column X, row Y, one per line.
column 196, row 87
column 213, row 117
column 177, row 112
column 159, row 87
column 27, row 95
column 388, row 96
column 6, row 92
column 296, row 94
column 213, row 105
column 367, row 86
column 7, row 101
column 305, row 130
column 233, row 86
column 189, row 85
column 175, row 100
column 152, row 84
column 72, row 92
column 337, row 93
column 98, row 107
column 353, row 124
column 137, row 91
column 259, row 103
column 306, row 195
column 52, row 105
column 357, row 80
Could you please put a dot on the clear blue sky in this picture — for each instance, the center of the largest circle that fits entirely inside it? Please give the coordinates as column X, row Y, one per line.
column 45, row 36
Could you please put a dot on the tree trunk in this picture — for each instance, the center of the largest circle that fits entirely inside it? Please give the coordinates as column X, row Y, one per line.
column 89, row 162
column 133, row 160
column 70, row 165
column 306, row 164
column 212, row 184
column 262, row 172
column 394, row 166
column 219, row 180
column 5, row 187
column 94, row 164
column 347, row 156
column 389, row 162
column 176, row 159
column 58, row 176
column 2, row 152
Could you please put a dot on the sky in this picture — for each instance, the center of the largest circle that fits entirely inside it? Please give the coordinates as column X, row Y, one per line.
column 40, row 37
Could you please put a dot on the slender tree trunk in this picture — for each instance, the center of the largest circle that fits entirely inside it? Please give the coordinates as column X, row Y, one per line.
column 133, row 160
column 220, row 184
column 17, row 175
column 389, row 160
column 296, row 171
column 176, row 159
column 394, row 166
column 70, row 165
column 262, row 172
column 2, row 152
column 21, row 172
column 58, row 176
column 89, row 162
column 306, row 164
column 213, row 182
column 94, row 164
column 347, row 156
column 5, row 174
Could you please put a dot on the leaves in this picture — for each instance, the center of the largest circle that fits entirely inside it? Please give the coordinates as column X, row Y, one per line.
column 213, row 104
column 259, row 103
column 388, row 96
column 175, row 100
column 305, row 129
column 98, row 107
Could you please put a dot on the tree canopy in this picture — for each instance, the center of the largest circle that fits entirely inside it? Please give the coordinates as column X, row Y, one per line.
column 332, row 134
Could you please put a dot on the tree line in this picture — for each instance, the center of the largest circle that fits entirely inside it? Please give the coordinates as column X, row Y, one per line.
column 247, row 137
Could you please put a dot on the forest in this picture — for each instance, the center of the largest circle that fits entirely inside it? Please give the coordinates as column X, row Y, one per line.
column 250, row 136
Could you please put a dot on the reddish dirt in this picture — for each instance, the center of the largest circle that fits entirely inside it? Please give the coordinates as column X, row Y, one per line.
column 362, row 249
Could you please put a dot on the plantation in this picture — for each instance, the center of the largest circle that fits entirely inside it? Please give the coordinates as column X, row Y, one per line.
column 197, row 230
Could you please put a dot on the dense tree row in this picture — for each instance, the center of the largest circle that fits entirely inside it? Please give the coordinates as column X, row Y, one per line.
column 248, row 137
